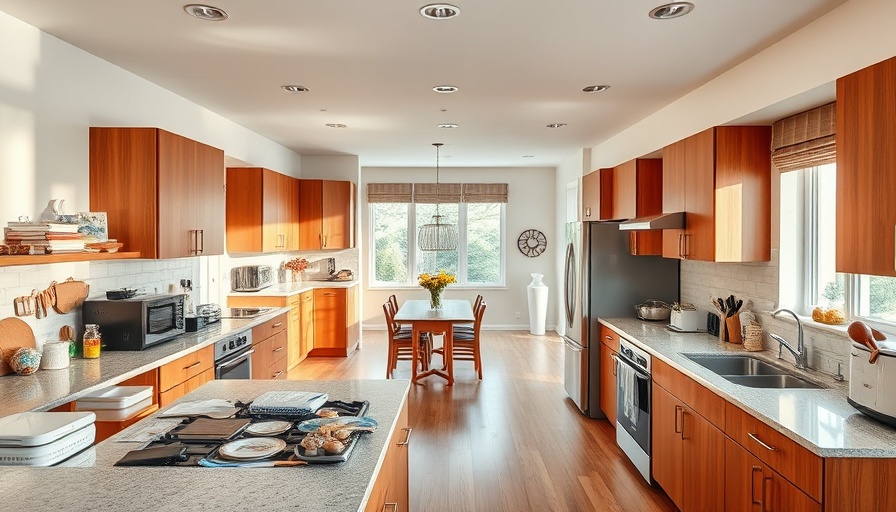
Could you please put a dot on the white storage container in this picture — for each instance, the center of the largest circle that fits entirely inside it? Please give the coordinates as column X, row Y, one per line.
column 50, row 453
column 40, row 428
column 117, row 414
column 115, row 397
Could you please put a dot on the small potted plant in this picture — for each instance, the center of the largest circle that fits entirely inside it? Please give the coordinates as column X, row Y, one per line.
column 297, row 266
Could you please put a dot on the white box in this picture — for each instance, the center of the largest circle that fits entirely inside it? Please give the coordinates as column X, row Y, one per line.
column 688, row 320
column 115, row 397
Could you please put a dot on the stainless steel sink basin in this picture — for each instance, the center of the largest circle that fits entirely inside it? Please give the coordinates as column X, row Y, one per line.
column 751, row 371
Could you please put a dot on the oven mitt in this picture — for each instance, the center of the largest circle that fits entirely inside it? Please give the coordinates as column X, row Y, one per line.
column 69, row 295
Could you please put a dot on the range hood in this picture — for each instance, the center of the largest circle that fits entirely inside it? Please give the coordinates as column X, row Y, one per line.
column 664, row 221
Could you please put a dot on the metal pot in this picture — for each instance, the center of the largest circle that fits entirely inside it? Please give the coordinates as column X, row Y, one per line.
column 653, row 310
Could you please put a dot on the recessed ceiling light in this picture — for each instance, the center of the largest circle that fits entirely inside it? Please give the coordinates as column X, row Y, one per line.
column 671, row 10
column 439, row 11
column 556, row 125
column 205, row 12
column 295, row 88
column 445, row 89
column 337, row 125
column 528, row 156
column 447, row 125
column 596, row 88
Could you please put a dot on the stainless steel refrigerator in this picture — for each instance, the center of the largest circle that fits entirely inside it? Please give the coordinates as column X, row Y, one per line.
column 603, row 279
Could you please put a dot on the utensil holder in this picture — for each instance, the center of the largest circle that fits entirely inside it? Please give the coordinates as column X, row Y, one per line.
column 723, row 328
column 55, row 355
column 733, row 325
column 753, row 338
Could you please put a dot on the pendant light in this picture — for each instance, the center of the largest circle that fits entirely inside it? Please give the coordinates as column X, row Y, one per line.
column 437, row 236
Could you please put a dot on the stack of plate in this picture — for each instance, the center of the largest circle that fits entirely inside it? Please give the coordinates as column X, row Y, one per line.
column 116, row 403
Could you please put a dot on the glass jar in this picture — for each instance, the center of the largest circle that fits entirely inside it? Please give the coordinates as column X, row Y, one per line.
column 92, row 341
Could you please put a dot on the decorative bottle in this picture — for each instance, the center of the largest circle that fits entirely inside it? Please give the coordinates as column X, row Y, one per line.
column 92, row 341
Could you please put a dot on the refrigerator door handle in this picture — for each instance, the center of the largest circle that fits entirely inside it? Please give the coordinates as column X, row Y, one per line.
column 570, row 278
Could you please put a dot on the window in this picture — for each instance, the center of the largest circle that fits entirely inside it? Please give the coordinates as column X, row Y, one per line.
column 478, row 260
column 808, row 251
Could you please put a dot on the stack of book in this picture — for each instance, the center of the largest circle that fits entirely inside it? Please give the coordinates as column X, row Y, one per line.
column 45, row 237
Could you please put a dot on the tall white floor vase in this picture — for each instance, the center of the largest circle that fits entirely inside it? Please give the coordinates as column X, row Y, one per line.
column 538, row 304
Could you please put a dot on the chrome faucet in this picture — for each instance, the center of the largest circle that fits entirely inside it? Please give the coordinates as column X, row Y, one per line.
column 800, row 352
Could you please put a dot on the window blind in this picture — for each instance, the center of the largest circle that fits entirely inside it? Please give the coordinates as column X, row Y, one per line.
column 430, row 193
column 805, row 140
column 389, row 193
column 485, row 193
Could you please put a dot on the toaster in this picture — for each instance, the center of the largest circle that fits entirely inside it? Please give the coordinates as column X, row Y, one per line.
column 871, row 384
column 251, row 278
column 688, row 320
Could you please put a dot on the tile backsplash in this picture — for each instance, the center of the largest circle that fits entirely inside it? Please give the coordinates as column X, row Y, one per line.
column 758, row 283
column 151, row 276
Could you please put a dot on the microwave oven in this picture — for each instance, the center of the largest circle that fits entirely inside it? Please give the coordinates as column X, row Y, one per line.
column 136, row 323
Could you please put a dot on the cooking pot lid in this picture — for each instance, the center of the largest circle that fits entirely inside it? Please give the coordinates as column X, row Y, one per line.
column 886, row 348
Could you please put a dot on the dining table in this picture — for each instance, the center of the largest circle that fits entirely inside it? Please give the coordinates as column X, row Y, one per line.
column 424, row 319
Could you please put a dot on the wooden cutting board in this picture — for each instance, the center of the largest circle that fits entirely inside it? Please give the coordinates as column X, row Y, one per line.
column 14, row 334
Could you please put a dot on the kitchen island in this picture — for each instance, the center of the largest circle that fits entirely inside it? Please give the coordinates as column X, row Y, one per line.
column 358, row 484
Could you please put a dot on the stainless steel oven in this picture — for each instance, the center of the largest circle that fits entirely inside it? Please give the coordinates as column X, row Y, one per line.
column 633, row 405
column 233, row 356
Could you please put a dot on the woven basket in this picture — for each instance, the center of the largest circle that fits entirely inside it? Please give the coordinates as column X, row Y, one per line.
column 753, row 338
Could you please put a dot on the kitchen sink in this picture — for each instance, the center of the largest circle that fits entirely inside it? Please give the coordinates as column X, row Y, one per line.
column 751, row 371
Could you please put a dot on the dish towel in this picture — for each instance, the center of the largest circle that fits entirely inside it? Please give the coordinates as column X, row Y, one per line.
column 287, row 403
column 628, row 380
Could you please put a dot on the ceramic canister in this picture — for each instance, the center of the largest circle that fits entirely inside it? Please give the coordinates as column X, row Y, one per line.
column 56, row 355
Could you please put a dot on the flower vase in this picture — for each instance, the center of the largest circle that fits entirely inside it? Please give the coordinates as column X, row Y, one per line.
column 538, row 304
column 435, row 299
column 297, row 277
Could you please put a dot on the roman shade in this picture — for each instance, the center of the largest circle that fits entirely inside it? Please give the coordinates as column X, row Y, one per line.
column 485, row 193
column 805, row 140
column 389, row 192
column 432, row 193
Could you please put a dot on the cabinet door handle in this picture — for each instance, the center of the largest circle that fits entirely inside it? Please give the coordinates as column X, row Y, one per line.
column 753, row 471
column 277, row 374
column 683, row 415
column 615, row 363
column 393, row 506
column 407, row 438
column 201, row 241
column 587, row 211
column 680, row 250
column 321, row 240
column 754, row 437
column 307, row 299
column 678, row 409
column 194, row 365
column 329, row 294
column 325, row 240
column 194, row 241
column 764, row 495
column 687, row 246
column 278, row 324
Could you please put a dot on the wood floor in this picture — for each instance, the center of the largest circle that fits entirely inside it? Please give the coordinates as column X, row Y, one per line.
column 512, row 441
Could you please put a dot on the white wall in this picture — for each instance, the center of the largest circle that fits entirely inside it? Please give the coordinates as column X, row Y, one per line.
column 531, row 205
column 855, row 35
column 51, row 92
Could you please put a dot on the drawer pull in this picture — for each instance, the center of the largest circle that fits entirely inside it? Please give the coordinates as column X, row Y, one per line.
column 194, row 365
column 393, row 506
column 278, row 324
column 407, row 438
column 277, row 374
column 307, row 299
column 753, row 472
column 278, row 349
column 755, row 438
column 607, row 336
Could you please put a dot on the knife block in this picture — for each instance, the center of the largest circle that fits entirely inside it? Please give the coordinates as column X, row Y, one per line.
column 732, row 323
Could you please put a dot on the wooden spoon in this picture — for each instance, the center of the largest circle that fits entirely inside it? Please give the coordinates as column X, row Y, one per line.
column 861, row 333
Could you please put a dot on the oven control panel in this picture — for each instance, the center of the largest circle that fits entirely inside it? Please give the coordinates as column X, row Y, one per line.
column 233, row 343
column 640, row 358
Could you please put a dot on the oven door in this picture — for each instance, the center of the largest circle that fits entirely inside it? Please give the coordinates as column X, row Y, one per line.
column 236, row 366
column 638, row 430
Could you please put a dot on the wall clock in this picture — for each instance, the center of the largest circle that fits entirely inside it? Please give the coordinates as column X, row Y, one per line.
column 532, row 242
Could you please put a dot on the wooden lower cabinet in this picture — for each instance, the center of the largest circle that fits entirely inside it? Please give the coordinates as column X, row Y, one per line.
column 688, row 454
column 186, row 374
column 336, row 321
column 751, row 486
column 271, row 355
column 168, row 396
column 390, row 489
column 297, row 347
column 306, row 323
column 609, row 348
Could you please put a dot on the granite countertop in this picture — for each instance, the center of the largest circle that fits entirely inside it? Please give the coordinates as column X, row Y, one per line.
column 818, row 419
column 329, row 487
column 287, row 289
column 46, row 389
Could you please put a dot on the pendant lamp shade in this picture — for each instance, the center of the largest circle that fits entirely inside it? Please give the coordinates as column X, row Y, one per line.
column 437, row 236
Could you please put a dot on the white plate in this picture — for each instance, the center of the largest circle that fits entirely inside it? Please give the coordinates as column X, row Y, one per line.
column 268, row 428
column 252, row 448
column 349, row 421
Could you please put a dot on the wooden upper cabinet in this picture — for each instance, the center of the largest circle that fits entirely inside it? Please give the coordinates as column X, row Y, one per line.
column 637, row 189
column 163, row 193
column 326, row 214
column 597, row 195
column 262, row 210
column 866, row 170
column 726, row 193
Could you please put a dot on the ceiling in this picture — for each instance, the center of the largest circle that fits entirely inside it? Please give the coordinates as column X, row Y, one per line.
column 520, row 65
